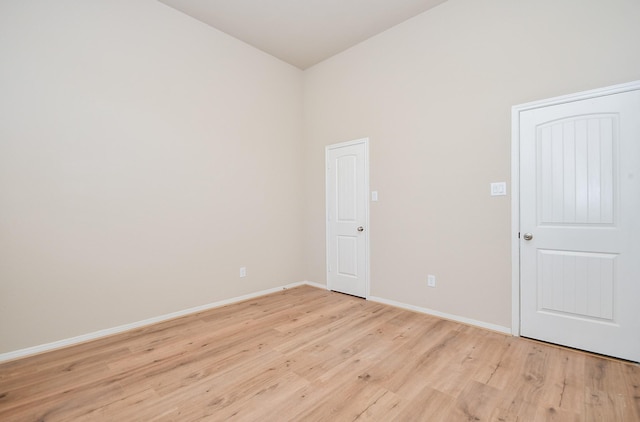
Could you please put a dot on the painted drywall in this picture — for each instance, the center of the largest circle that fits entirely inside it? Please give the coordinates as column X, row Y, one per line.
column 144, row 157
column 434, row 95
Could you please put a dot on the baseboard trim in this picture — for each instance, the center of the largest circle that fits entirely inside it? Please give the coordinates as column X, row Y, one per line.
column 313, row 284
column 468, row 321
column 29, row 351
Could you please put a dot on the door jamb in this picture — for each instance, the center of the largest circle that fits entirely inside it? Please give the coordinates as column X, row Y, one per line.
column 364, row 141
column 515, row 179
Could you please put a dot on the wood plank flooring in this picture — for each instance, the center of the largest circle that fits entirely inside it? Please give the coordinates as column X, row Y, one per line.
column 306, row 354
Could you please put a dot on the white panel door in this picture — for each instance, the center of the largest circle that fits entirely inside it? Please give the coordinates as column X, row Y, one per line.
column 580, row 224
column 347, row 217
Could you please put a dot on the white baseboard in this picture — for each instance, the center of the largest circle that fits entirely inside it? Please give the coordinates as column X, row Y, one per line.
column 468, row 321
column 314, row 284
column 122, row 328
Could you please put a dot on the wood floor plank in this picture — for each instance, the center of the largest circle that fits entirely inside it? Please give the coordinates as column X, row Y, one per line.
column 307, row 354
column 563, row 390
column 632, row 375
column 427, row 404
column 475, row 402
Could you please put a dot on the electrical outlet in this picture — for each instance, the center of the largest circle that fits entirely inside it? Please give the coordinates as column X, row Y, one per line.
column 431, row 280
column 243, row 272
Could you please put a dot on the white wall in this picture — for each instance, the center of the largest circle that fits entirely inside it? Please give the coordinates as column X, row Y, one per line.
column 434, row 96
column 144, row 157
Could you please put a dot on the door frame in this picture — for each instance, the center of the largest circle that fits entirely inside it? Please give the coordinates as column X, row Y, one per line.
column 515, row 179
column 367, row 226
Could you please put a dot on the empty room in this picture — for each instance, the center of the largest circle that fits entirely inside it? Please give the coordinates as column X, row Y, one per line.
column 407, row 210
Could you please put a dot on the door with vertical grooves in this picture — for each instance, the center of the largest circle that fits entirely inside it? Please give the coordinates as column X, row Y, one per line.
column 580, row 224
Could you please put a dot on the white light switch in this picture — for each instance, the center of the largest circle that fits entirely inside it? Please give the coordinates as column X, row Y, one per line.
column 374, row 195
column 499, row 189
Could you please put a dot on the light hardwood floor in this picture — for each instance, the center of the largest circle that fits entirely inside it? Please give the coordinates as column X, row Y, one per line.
column 306, row 354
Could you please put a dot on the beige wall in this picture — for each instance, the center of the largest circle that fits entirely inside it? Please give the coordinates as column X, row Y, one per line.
column 144, row 157
column 434, row 96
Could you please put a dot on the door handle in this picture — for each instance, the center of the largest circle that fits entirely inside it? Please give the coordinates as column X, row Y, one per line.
column 527, row 236
column 360, row 229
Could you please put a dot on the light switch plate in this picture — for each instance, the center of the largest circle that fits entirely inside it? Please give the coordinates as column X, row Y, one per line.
column 374, row 195
column 499, row 189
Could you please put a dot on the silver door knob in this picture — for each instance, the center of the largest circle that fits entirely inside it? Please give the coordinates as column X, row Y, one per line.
column 527, row 236
column 360, row 229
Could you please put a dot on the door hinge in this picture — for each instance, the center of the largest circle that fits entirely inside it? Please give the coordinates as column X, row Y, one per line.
column 518, row 235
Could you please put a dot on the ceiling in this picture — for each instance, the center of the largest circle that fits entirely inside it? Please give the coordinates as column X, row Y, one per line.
column 302, row 32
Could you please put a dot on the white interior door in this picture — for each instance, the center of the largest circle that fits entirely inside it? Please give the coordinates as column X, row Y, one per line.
column 580, row 224
column 347, row 188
